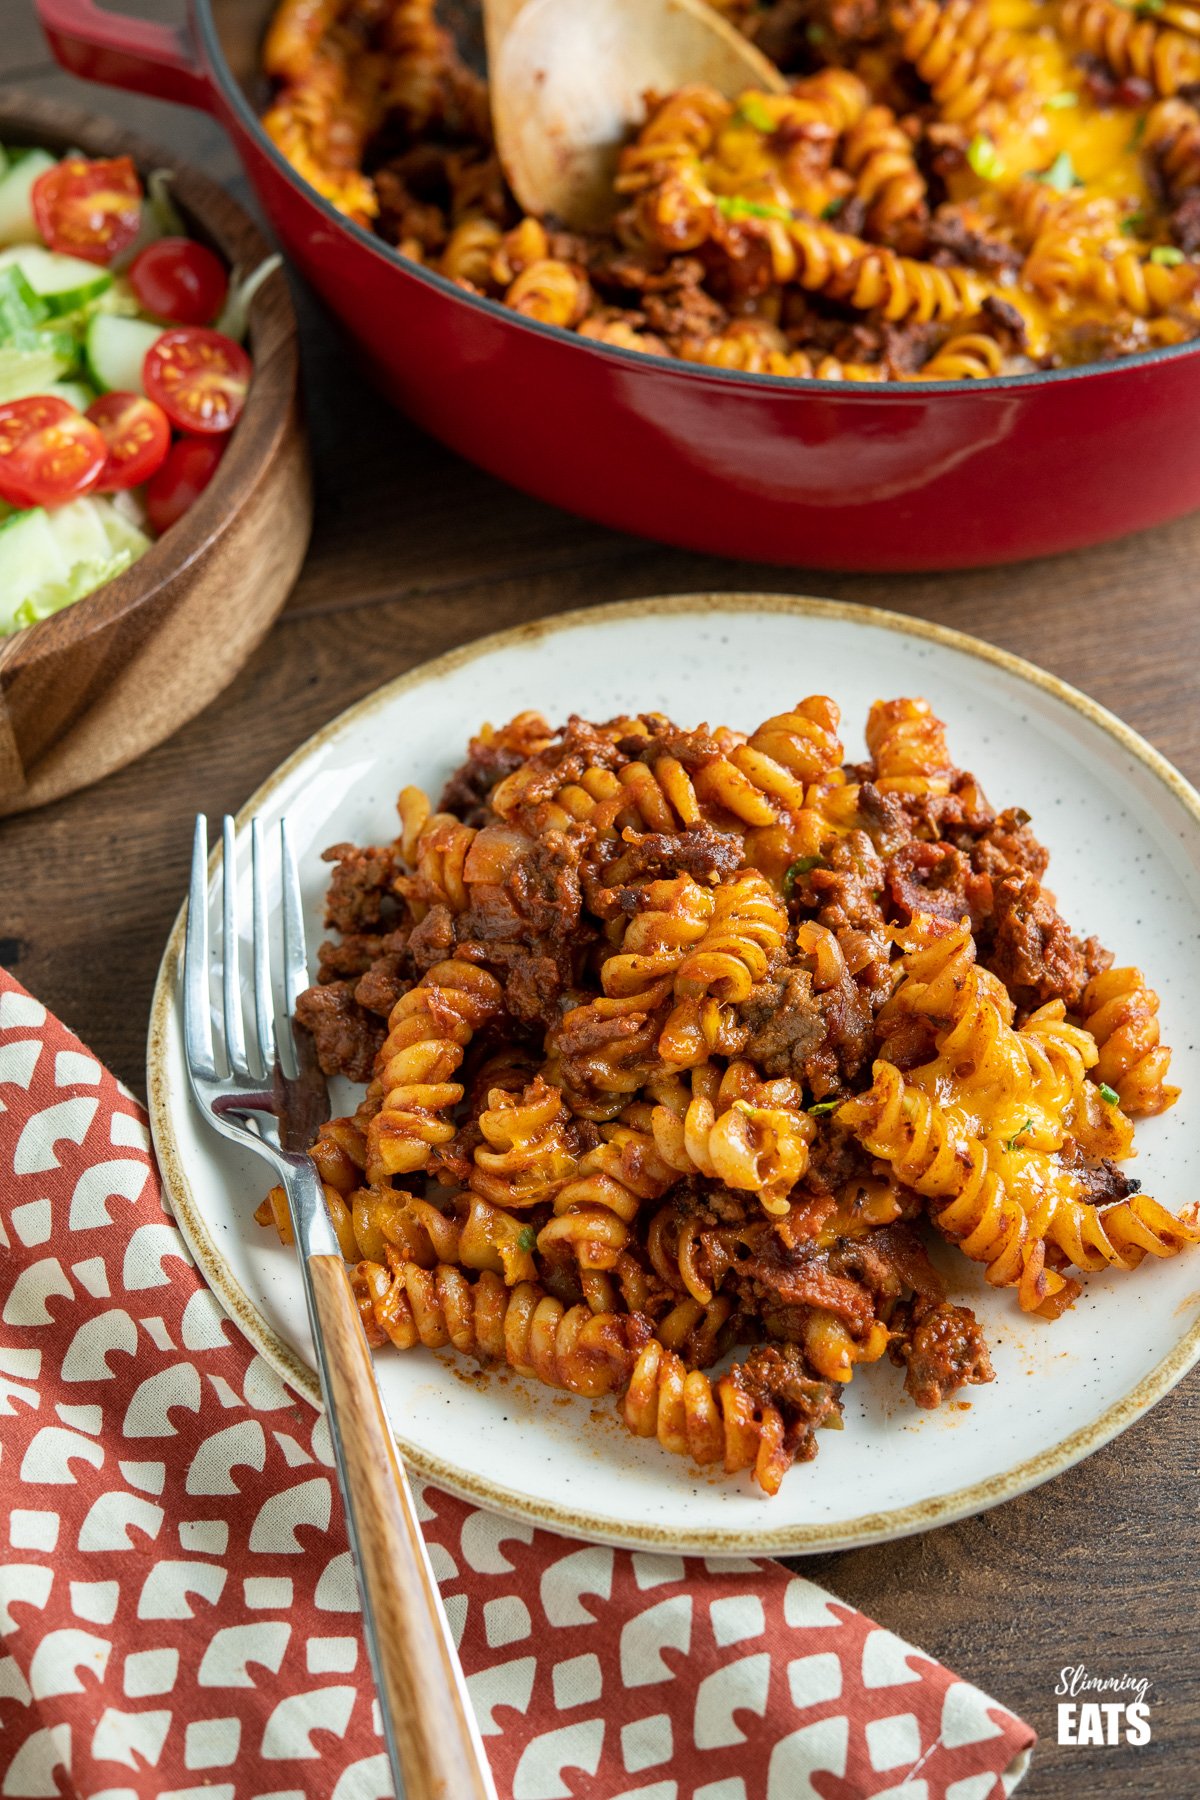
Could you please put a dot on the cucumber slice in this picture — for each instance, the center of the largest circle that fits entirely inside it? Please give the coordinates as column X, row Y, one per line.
column 115, row 349
column 24, row 372
column 118, row 298
column 16, row 184
column 64, row 283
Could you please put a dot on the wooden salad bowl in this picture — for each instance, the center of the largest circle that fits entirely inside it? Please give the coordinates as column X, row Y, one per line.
column 96, row 685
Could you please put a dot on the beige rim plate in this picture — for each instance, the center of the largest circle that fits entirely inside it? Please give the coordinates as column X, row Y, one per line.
column 1124, row 833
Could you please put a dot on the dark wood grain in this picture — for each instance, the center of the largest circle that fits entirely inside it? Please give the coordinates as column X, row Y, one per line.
column 414, row 552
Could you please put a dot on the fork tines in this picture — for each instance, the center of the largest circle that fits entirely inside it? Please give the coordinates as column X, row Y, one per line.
column 202, row 1055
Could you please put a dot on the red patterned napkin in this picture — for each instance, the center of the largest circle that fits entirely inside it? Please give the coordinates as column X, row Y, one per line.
column 177, row 1605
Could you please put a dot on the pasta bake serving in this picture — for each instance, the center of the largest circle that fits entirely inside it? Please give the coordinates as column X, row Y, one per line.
column 952, row 188
column 682, row 1045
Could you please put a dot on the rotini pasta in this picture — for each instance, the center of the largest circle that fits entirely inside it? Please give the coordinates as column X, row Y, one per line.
column 1173, row 135
column 428, row 1031
column 962, row 55
column 743, row 939
column 673, row 916
column 908, row 746
column 1132, row 45
column 967, row 188
column 932, row 1148
column 436, row 846
column 679, row 1040
column 594, row 1354
column 1121, row 1013
column 752, row 1135
column 880, row 156
column 948, row 1127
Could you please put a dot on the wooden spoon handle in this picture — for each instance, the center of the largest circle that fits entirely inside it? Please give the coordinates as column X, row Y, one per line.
column 499, row 17
column 420, row 1683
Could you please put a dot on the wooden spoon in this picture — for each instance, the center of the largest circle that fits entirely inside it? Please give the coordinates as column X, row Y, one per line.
column 569, row 80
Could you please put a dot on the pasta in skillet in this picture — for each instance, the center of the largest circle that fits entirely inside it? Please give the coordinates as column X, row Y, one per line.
column 951, row 189
column 676, row 1043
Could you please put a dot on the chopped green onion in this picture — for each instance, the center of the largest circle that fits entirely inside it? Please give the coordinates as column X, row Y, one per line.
column 1060, row 102
column 1133, row 224
column 1109, row 1095
column 984, row 158
column 751, row 111
column 1061, row 174
column 1150, row 7
column 833, row 207
column 1166, row 256
column 1138, row 133
column 1012, row 1142
column 526, row 1238
column 816, row 34
column 822, row 1107
column 733, row 206
column 803, row 866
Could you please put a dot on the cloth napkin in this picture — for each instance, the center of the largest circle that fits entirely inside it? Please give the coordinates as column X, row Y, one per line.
column 178, row 1614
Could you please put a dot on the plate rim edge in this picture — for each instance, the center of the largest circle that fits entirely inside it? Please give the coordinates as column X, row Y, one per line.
column 791, row 1540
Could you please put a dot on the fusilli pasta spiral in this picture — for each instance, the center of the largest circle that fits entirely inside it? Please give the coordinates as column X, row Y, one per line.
column 1121, row 1013
column 428, row 1031
column 717, row 1022
column 964, row 190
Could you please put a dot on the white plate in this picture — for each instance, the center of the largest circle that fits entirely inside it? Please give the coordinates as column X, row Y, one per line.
column 1124, row 832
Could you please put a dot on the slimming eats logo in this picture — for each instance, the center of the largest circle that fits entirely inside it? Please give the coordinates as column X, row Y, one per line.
column 1102, row 1721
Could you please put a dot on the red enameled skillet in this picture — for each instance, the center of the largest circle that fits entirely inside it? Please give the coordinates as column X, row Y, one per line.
column 841, row 476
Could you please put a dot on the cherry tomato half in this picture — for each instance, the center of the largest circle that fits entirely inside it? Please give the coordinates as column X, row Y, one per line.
column 178, row 280
column 49, row 453
column 199, row 378
column 89, row 209
column 138, row 437
column 190, row 466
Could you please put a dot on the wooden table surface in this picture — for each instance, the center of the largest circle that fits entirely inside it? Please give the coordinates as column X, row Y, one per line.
column 415, row 552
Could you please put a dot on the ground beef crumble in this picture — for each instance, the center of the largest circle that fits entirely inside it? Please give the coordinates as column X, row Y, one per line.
column 777, row 1375
column 1032, row 948
column 941, row 1349
column 543, row 926
column 345, row 1035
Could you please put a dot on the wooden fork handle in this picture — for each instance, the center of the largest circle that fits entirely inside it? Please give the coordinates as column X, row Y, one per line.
column 416, row 1668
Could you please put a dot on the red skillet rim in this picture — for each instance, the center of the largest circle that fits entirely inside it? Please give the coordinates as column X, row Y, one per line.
column 878, row 390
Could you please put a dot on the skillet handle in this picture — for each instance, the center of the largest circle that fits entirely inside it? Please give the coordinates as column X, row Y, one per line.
column 134, row 54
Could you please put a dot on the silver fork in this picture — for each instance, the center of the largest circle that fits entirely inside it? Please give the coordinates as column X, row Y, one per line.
column 259, row 1102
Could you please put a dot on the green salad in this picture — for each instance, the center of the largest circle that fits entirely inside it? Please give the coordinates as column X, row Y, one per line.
column 122, row 373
